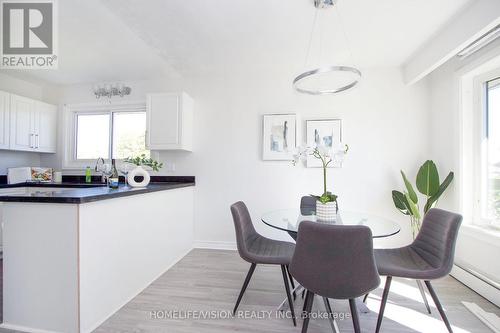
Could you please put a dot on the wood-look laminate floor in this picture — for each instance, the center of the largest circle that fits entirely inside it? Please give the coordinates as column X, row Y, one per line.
column 209, row 280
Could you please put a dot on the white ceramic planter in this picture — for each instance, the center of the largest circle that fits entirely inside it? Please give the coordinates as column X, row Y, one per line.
column 326, row 212
column 139, row 171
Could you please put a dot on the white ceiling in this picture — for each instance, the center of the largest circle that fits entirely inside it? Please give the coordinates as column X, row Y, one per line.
column 96, row 46
column 128, row 39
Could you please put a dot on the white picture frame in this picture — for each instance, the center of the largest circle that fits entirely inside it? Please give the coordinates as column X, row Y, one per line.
column 279, row 137
column 323, row 132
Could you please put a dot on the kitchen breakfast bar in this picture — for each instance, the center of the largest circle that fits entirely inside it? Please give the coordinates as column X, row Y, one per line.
column 73, row 254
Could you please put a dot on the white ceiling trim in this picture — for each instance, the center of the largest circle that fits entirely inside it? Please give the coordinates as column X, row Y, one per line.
column 474, row 21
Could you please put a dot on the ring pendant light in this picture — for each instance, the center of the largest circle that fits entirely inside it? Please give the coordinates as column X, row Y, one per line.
column 314, row 73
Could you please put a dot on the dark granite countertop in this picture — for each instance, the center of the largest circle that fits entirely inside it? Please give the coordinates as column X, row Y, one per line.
column 51, row 184
column 74, row 192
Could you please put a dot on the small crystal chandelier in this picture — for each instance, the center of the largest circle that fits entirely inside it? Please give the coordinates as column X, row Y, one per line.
column 109, row 90
column 304, row 83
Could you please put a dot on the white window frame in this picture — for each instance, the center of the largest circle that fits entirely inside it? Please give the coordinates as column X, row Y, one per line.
column 71, row 111
column 480, row 148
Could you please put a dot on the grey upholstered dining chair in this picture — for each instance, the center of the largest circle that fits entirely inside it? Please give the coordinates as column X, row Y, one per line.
column 307, row 205
column 334, row 261
column 257, row 249
column 429, row 257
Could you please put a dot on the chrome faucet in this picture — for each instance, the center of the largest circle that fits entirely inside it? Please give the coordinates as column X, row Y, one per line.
column 100, row 168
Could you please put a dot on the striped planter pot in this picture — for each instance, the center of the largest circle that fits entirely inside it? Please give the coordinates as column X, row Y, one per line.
column 326, row 212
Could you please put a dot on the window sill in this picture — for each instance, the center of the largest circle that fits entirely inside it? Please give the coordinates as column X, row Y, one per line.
column 484, row 233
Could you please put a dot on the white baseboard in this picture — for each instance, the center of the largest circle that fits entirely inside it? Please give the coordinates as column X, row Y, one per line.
column 19, row 328
column 214, row 245
column 484, row 289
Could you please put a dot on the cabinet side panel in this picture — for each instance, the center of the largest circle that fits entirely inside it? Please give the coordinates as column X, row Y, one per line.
column 187, row 122
column 40, row 266
column 127, row 243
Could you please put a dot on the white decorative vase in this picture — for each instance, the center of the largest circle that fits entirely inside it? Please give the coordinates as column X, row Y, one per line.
column 326, row 212
column 139, row 171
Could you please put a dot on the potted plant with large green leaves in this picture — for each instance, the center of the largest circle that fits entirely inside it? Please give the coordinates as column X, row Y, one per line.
column 326, row 203
column 428, row 184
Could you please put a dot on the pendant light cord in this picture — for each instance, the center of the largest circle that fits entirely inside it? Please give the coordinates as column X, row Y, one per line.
column 351, row 55
column 311, row 37
column 344, row 35
column 342, row 27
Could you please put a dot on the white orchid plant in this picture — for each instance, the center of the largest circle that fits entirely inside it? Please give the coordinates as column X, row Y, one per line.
column 327, row 156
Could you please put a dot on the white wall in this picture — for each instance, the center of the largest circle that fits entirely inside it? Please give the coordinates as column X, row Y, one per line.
column 384, row 123
column 475, row 247
column 10, row 159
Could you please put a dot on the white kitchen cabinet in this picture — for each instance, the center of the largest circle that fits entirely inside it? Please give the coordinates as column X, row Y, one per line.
column 33, row 125
column 169, row 121
column 4, row 120
column 22, row 123
column 46, row 133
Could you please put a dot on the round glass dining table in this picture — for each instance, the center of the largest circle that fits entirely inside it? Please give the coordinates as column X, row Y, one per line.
column 289, row 219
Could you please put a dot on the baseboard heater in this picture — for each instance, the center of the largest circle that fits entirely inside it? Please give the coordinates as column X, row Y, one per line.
column 480, row 276
column 489, row 319
column 479, row 283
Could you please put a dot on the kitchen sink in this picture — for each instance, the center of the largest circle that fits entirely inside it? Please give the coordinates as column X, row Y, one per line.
column 28, row 191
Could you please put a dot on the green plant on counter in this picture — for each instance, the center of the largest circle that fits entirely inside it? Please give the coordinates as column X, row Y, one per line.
column 143, row 160
column 428, row 184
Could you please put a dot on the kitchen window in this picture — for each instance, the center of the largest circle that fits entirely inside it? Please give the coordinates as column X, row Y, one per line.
column 92, row 136
column 113, row 132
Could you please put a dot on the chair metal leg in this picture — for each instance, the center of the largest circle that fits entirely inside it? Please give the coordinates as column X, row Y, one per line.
column 244, row 287
column 438, row 305
column 383, row 302
column 422, row 292
column 305, row 303
column 307, row 310
column 365, row 298
column 331, row 316
column 291, row 283
column 354, row 315
column 288, row 295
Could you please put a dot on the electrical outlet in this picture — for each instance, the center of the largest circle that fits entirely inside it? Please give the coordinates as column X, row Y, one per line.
column 169, row 167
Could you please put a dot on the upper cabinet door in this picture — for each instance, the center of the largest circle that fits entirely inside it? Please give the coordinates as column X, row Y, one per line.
column 46, row 129
column 169, row 121
column 4, row 120
column 22, row 123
